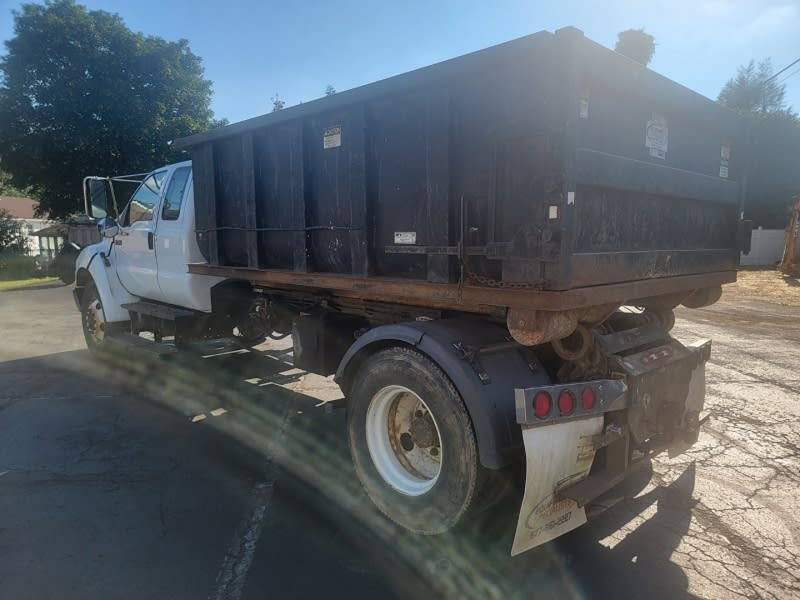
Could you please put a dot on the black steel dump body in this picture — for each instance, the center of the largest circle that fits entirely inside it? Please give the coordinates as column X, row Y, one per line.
column 547, row 165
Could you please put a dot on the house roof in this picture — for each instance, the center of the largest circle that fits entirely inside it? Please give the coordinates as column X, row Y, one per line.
column 57, row 230
column 19, row 207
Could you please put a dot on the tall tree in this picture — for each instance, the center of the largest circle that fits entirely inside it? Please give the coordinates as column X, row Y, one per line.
column 81, row 94
column 330, row 90
column 636, row 44
column 773, row 163
column 753, row 90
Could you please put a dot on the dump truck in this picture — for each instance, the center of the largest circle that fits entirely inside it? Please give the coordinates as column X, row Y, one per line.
column 485, row 254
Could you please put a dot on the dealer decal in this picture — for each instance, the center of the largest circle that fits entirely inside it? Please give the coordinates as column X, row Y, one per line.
column 557, row 456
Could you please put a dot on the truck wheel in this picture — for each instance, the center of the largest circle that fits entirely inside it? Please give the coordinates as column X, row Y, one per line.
column 412, row 441
column 251, row 330
column 93, row 318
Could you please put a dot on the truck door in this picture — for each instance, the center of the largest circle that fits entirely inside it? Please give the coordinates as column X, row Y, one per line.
column 134, row 249
column 171, row 247
column 176, row 245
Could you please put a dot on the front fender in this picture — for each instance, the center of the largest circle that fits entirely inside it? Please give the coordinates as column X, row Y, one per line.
column 89, row 267
column 486, row 383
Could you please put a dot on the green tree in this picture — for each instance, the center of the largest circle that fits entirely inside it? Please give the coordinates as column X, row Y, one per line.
column 12, row 238
column 7, row 188
column 81, row 94
column 773, row 157
column 636, row 44
column 330, row 90
column 753, row 90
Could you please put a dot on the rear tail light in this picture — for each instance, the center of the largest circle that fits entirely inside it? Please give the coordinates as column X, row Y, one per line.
column 566, row 402
column 541, row 404
column 588, row 398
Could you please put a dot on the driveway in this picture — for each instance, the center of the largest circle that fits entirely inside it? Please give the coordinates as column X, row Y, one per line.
column 226, row 477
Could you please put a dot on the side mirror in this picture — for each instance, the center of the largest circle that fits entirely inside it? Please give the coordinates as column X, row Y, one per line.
column 108, row 227
column 98, row 197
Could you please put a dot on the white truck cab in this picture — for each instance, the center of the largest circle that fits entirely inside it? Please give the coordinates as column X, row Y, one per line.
column 144, row 253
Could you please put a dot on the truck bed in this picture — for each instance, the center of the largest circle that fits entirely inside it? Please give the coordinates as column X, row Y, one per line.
column 547, row 172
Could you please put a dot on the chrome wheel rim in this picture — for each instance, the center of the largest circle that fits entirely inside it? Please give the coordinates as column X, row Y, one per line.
column 404, row 441
column 95, row 321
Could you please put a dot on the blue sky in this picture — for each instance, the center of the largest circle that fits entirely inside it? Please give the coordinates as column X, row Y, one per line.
column 252, row 49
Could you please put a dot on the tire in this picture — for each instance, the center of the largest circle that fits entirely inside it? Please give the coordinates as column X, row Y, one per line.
column 250, row 331
column 94, row 331
column 415, row 495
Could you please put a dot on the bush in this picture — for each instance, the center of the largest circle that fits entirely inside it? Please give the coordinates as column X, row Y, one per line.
column 12, row 236
column 14, row 265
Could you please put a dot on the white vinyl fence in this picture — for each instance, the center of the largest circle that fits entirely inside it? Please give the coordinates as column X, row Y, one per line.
column 766, row 247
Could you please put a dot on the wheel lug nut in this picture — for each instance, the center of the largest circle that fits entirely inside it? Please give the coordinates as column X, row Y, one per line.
column 434, row 451
column 418, row 414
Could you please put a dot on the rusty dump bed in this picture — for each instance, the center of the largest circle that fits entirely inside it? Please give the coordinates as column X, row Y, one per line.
column 548, row 172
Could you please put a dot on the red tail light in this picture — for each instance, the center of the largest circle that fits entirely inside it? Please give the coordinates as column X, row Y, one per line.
column 541, row 404
column 566, row 402
column 588, row 398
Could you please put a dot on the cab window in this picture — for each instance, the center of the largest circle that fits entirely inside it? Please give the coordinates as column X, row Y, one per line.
column 144, row 199
column 175, row 192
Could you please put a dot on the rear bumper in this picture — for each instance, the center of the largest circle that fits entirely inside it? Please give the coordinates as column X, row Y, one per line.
column 574, row 459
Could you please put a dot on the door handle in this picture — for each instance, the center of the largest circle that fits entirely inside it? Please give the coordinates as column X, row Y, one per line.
column 150, row 239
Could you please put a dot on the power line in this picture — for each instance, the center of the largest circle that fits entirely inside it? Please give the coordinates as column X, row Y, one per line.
column 795, row 72
column 786, row 68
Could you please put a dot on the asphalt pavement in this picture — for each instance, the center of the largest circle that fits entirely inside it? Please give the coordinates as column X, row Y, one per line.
column 128, row 476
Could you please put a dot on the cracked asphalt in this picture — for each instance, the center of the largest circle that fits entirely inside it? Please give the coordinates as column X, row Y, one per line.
column 743, row 539
column 132, row 477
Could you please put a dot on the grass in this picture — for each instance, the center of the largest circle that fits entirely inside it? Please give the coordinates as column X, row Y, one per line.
column 21, row 283
column 765, row 283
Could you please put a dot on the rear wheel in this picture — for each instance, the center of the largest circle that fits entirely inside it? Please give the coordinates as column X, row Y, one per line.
column 412, row 441
column 252, row 328
column 93, row 318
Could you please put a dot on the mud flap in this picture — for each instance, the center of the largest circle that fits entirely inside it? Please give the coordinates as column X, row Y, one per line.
column 694, row 404
column 556, row 455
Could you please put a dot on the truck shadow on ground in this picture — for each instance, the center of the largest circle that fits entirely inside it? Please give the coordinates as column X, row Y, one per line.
column 316, row 484
column 639, row 564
